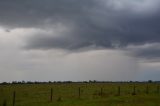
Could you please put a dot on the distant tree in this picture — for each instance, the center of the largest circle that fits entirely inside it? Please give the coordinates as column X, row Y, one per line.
column 49, row 82
column 94, row 81
column 29, row 82
column 90, row 81
column 85, row 82
column 150, row 81
column 14, row 82
column 23, row 82
column 4, row 83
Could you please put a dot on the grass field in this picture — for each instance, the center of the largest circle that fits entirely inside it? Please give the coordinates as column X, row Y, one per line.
column 81, row 94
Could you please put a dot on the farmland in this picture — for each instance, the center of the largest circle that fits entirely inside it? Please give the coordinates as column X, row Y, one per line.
column 80, row 94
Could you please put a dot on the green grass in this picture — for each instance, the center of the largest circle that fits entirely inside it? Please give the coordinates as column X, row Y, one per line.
column 91, row 95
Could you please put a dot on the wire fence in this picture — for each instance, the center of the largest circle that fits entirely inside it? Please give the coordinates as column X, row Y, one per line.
column 11, row 95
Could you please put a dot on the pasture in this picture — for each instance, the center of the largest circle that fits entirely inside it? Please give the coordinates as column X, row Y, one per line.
column 80, row 94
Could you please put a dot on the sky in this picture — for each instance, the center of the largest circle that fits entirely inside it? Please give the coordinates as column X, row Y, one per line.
column 79, row 40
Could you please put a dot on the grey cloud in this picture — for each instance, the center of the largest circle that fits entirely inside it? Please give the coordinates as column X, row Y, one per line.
column 63, row 40
column 121, row 34
column 33, row 13
column 91, row 22
column 151, row 52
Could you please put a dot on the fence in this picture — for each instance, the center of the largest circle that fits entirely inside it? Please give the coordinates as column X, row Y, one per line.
column 60, row 92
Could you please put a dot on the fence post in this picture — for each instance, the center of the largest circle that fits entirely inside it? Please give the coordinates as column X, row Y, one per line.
column 51, row 95
column 5, row 103
column 134, row 90
column 119, row 90
column 147, row 89
column 158, row 89
column 101, row 91
column 14, row 98
column 79, row 92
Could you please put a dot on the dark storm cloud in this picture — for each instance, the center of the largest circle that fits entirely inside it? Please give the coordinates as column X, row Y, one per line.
column 151, row 52
column 90, row 22
column 33, row 13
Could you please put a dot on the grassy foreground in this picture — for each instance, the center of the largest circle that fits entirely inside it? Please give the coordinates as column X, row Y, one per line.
column 81, row 94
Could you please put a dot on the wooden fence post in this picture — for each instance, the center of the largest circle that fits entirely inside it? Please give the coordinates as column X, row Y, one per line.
column 134, row 90
column 14, row 98
column 158, row 89
column 101, row 91
column 147, row 89
column 79, row 92
column 5, row 103
column 51, row 95
column 119, row 90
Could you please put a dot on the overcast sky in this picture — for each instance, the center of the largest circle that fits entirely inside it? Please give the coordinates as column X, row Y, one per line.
column 111, row 40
